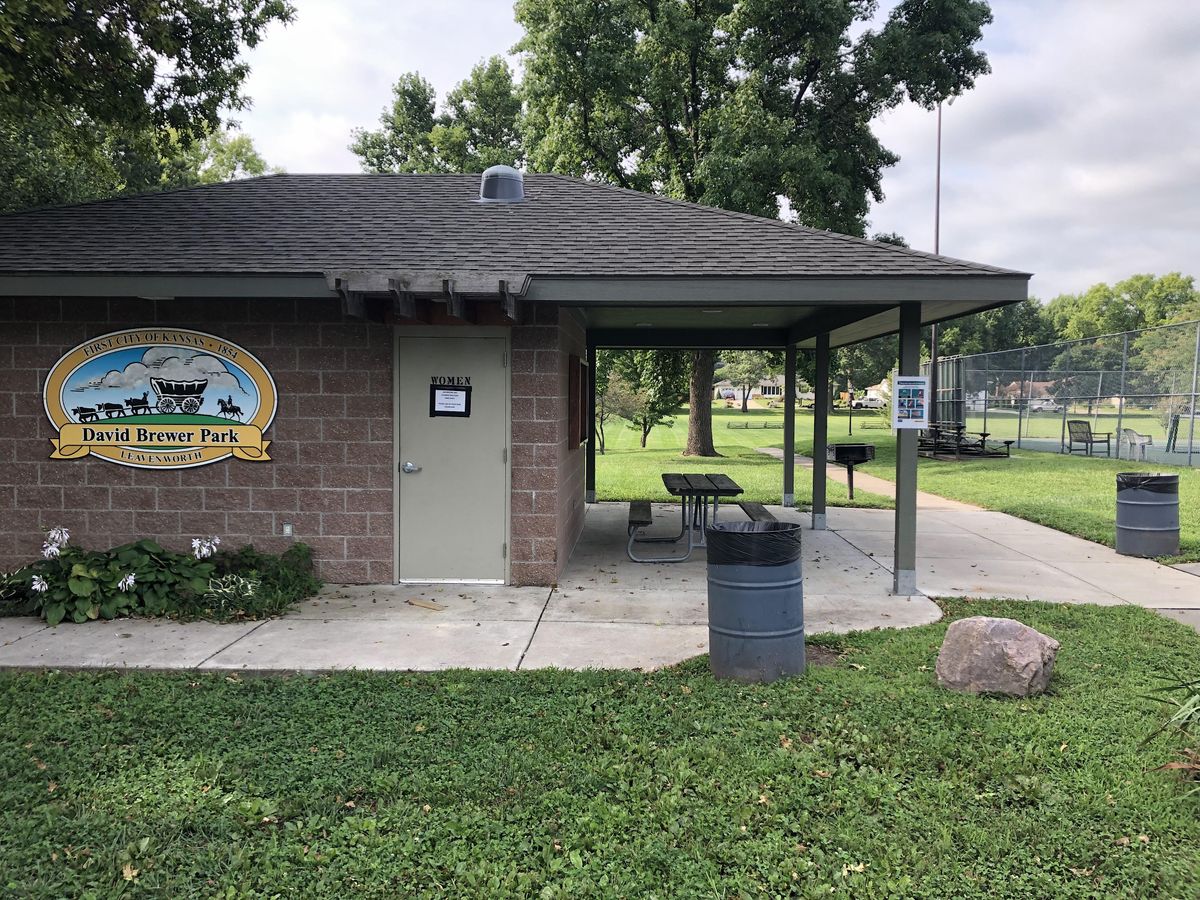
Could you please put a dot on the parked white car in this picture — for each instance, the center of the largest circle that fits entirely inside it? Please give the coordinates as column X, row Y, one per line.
column 868, row 403
column 1044, row 404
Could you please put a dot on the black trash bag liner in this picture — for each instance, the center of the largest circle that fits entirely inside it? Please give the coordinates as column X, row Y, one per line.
column 1155, row 482
column 753, row 543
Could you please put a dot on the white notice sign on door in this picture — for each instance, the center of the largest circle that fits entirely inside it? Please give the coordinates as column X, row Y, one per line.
column 449, row 401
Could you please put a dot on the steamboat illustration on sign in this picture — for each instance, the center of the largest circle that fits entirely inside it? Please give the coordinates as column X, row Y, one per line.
column 160, row 398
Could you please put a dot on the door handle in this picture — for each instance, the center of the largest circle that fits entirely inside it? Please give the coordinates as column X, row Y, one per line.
column 408, row 468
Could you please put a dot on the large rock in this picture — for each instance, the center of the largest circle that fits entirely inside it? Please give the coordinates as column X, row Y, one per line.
column 983, row 655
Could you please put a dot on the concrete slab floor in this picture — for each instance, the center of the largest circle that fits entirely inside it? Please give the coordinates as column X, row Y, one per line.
column 1186, row 616
column 609, row 611
column 123, row 643
column 414, row 603
column 308, row 645
column 14, row 628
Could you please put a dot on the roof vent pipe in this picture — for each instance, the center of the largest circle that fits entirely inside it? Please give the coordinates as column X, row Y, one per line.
column 501, row 184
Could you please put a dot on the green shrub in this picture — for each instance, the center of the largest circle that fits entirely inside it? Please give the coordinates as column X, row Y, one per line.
column 145, row 579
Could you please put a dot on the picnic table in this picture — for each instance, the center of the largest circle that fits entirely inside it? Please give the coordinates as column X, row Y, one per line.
column 696, row 491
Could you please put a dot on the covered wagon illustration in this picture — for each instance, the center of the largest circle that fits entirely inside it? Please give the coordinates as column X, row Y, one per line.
column 186, row 396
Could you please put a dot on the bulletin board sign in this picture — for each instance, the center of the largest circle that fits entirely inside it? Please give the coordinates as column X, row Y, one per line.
column 910, row 401
column 452, row 402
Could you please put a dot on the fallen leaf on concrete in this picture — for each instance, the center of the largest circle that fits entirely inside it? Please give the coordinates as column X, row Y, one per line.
column 424, row 604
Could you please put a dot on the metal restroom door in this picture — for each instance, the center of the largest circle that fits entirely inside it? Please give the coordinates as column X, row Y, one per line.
column 452, row 436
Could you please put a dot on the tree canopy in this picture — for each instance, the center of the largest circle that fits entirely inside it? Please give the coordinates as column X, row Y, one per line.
column 738, row 105
column 122, row 96
column 133, row 63
column 479, row 126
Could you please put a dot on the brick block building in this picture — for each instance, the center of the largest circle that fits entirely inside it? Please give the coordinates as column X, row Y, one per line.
column 409, row 359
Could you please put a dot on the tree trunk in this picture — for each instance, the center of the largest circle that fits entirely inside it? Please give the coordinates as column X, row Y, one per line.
column 645, row 433
column 700, row 399
column 745, row 397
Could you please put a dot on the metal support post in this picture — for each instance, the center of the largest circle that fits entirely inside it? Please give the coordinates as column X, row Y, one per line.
column 1121, row 395
column 1192, row 417
column 589, row 489
column 820, row 432
column 789, row 426
column 1020, row 399
column 904, row 569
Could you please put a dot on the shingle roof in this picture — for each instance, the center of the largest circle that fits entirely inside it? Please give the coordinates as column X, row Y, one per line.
column 321, row 223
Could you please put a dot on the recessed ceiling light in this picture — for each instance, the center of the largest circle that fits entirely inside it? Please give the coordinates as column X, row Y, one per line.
column 760, row 324
column 712, row 312
column 643, row 324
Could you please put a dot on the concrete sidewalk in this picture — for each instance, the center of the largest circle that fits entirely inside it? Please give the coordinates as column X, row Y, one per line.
column 872, row 484
column 610, row 612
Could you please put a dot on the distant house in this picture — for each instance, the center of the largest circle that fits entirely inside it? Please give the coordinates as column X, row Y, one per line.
column 768, row 389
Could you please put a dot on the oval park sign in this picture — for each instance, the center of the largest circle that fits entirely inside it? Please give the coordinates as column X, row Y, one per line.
column 160, row 398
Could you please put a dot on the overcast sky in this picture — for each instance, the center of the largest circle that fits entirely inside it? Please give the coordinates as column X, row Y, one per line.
column 1077, row 158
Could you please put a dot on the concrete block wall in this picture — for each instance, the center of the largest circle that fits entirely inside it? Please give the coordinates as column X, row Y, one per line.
column 547, row 492
column 331, row 440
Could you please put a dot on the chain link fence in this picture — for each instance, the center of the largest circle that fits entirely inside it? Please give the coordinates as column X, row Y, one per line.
column 1137, row 388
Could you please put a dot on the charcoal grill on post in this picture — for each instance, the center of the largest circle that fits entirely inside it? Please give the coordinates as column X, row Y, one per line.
column 849, row 455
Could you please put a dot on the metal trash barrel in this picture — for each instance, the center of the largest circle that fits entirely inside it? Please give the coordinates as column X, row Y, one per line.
column 1147, row 514
column 755, row 600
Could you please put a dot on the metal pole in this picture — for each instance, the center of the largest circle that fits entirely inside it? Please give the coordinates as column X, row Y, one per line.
column 1121, row 396
column 789, row 425
column 820, row 432
column 934, row 378
column 1020, row 398
column 1062, row 438
column 1192, row 418
column 589, row 487
column 986, row 391
column 904, row 568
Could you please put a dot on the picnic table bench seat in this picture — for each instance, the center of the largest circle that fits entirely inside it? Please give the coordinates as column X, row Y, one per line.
column 640, row 515
column 756, row 511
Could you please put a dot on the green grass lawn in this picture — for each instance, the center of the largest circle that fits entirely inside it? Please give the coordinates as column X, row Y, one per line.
column 627, row 472
column 1074, row 494
column 861, row 779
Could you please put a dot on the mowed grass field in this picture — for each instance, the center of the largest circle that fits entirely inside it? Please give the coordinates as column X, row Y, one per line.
column 862, row 779
column 1074, row 494
column 627, row 472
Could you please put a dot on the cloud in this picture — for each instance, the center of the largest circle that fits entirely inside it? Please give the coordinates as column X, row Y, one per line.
column 165, row 362
column 1077, row 159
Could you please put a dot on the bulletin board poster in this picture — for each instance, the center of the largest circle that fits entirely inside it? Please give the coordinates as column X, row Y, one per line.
column 910, row 408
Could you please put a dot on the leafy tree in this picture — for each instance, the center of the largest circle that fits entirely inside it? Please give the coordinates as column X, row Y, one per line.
column 46, row 161
column 109, row 98
column 1140, row 301
column 619, row 398
column 700, row 437
column 657, row 381
column 746, row 368
column 740, row 104
column 1022, row 324
column 479, row 127
column 220, row 156
column 133, row 63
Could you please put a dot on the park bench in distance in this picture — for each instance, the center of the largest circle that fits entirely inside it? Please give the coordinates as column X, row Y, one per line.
column 1080, row 432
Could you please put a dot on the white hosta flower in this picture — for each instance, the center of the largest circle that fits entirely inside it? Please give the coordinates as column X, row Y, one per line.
column 39, row 584
column 50, row 551
column 126, row 583
column 58, row 536
column 203, row 548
